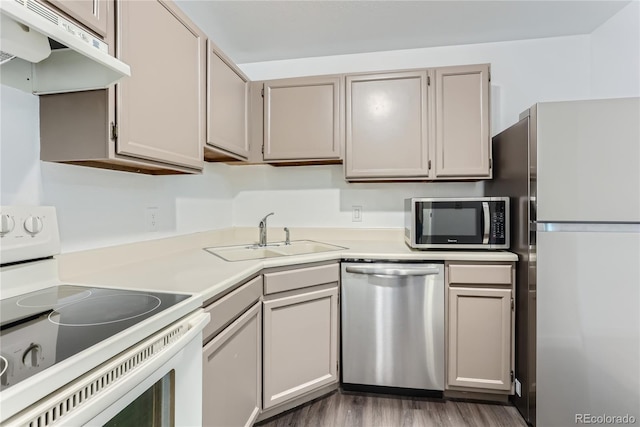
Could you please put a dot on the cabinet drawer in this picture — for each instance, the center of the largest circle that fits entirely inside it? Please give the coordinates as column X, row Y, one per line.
column 229, row 307
column 301, row 278
column 480, row 274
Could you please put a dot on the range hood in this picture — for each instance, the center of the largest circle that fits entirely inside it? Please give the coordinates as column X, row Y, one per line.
column 43, row 52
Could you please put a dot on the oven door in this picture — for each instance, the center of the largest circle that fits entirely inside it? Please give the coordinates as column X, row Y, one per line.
column 451, row 224
column 154, row 383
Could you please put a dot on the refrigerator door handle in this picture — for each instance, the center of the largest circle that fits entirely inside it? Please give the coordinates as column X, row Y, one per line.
column 485, row 210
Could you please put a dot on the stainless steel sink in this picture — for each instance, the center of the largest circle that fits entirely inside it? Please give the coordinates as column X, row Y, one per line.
column 248, row 252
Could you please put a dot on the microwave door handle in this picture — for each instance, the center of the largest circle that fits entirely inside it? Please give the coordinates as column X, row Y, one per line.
column 393, row 272
column 485, row 216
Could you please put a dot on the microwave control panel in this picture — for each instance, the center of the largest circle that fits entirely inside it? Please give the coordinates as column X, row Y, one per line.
column 498, row 223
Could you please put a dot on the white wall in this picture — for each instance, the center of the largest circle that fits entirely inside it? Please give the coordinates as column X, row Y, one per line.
column 319, row 196
column 615, row 55
column 100, row 207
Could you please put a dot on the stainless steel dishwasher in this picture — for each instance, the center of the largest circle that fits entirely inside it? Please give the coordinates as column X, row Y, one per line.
column 393, row 327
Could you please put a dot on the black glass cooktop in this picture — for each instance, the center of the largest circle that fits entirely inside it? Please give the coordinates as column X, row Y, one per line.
column 42, row 328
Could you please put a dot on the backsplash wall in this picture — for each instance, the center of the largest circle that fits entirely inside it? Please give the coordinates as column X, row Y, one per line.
column 318, row 196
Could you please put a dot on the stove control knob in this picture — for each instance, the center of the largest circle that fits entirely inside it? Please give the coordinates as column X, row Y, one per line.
column 6, row 224
column 33, row 225
column 32, row 356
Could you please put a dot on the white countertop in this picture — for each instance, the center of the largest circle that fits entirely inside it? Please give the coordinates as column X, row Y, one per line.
column 181, row 264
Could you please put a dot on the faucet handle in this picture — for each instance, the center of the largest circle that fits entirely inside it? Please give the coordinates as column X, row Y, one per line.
column 286, row 239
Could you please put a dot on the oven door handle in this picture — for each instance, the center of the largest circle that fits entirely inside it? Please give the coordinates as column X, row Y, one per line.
column 393, row 272
column 487, row 224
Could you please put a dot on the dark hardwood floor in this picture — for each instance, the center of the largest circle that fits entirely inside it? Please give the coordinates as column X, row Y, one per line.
column 366, row 410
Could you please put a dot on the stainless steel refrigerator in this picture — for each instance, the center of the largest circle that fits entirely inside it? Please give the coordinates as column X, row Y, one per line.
column 572, row 171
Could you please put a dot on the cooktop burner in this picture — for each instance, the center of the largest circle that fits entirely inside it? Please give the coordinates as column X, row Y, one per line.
column 53, row 296
column 42, row 328
column 90, row 312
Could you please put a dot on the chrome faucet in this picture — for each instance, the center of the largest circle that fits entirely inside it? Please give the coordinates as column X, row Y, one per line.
column 263, row 230
column 286, row 239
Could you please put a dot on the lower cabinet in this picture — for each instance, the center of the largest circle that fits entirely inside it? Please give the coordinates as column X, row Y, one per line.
column 271, row 350
column 480, row 326
column 232, row 371
column 301, row 336
column 480, row 338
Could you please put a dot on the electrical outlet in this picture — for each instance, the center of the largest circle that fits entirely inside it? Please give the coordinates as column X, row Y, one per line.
column 518, row 388
column 152, row 218
column 356, row 214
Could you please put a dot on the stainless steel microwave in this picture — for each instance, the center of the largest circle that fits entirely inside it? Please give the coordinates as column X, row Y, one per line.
column 457, row 223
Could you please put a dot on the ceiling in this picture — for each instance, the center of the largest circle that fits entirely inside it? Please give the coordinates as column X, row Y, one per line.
column 254, row 31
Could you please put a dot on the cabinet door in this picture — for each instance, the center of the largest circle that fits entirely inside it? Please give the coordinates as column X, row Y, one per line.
column 300, row 344
column 387, row 126
column 479, row 338
column 231, row 373
column 303, row 119
column 92, row 14
column 227, row 105
column 161, row 107
column 463, row 140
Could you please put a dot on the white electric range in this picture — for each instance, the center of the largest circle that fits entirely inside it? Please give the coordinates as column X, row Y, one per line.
column 84, row 355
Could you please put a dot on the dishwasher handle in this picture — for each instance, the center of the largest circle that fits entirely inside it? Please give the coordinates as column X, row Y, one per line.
column 393, row 272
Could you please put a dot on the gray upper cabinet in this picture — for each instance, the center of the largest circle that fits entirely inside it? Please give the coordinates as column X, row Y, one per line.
column 162, row 105
column 152, row 122
column 463, row 138
column 227, row 108
column 303, row 119
column 419, row 125
column 91, row 14
column 386, row 126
